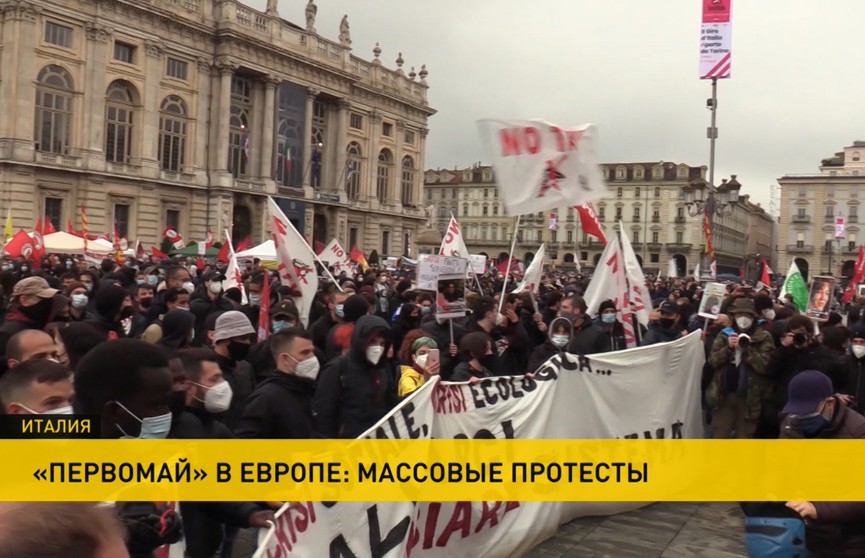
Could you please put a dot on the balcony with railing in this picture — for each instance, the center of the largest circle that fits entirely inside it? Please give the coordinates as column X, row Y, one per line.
column 679, row 220
column 678, row 247
column 800, row 248
column 801, row 218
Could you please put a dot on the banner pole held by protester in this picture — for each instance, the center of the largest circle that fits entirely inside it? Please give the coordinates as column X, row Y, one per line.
column 508, row 266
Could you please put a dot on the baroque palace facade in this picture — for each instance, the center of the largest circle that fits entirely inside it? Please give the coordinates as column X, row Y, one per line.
column 188, row 113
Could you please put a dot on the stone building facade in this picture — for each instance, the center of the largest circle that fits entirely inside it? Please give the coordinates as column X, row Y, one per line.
column 647, row 197
column 188, row 113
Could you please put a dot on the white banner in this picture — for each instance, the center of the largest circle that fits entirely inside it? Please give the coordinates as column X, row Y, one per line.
column 650, row 392
column 716, row 37
column 453, row 244
column 296, row 260
column 233, row 276
column 540, row 166
column 477, row 264
column 334, row 255
column 609, row 283
column 430, row 267
column 639, row 296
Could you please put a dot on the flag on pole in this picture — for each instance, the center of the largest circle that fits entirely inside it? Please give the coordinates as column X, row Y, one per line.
column 532, row 278
column 858, row 276
column 357, row 255
column 540, row 166
column 140, row 254
column 697, row 271
column 118, row 250
column 243, row 244
column 764, row 276
column 296, row 260
column 171, row 239
column 83, row 225
column 38, row 226
column 335, row 256
column 453, row 244
column 48, row 226
column 223, row 252
column 286, row 154
column 233, row 277
column 7, row 229
column 70, row 228
column 609, row 283
column 208, row 239
column 318, row 247
column 795, row 285
column 589, row 221
column 639, row 295
column 157, row 253
column 20, row 245
column 264, row 311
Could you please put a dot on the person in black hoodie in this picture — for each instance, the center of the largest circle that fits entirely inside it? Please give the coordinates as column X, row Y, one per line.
column 511, row 345
column 356, row 390
column 612, row 332
column 208, row 395
column 281, row 406
column 440, row 330
column 178, row 329
column 853, row 385
column 212, row 301
column 113, row 305
column 34, row 304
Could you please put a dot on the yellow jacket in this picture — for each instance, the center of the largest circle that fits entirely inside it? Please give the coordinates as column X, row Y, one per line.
column 409, row 380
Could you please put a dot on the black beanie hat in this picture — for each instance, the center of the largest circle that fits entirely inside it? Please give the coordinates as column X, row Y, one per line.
column 354, row 307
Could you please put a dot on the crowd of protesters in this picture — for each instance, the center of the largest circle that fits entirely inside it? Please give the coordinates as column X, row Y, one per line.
column 193, row 366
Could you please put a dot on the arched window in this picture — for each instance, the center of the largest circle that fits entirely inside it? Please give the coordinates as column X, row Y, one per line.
column 486, row 210
column 319, row 132
column 53, row 110
column 495, row 209
column 352, row 171
column 172, row 133
column 407, row 181
column 119, row 111
column 382, row 181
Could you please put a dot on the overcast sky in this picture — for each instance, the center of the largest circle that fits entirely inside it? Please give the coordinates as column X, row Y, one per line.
column 630, row 67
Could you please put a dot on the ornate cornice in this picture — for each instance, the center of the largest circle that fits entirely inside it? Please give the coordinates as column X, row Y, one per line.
column 98, row 32
column 20, row 10
column 154, row 49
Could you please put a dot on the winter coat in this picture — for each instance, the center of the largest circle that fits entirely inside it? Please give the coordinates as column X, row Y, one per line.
column 240, row 377
column 750, row 379
column 279, row 408
column 352, row 394
column 464, row 371
column 511, row 347
column 409, row 380
column 442, row 335
column 657, row 334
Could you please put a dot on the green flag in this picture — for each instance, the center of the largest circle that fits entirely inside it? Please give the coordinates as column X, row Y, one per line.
column 795, row 285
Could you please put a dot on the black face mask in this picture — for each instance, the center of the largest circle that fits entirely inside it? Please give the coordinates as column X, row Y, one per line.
column 40, row 311
column 176, row 403
column 666, row 323
column 237, row 350
column 145, row 302
column 488, row 361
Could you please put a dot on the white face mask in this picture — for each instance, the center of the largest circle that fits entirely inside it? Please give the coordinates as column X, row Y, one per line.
column 858, row 350
column 215, row 287
column 307, row 368
column 217, row 399
column 67, row 410
column 79, row 301
column 744, row 322
column 152, row 428
column 420, row 360
column 560, row 340
column 769, row 313
column 374, row 353
column 188, row 287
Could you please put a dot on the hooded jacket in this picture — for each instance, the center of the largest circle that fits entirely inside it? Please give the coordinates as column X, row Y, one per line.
column 176, row 327
column 109, row 301
column 352, row 394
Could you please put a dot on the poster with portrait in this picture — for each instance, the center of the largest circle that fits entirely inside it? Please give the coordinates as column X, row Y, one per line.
column 713, row 298
column 451, row 296
column 820, row 298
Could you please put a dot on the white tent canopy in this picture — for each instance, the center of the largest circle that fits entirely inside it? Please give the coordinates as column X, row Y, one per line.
column 265, row 251
column 64, row 243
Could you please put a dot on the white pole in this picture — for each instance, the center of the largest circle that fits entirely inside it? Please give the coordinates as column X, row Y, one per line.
column 508, row 267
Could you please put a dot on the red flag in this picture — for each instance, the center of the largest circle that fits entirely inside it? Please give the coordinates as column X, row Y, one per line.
column 118, row 252
column 502, row 266
column 357, row 255
column 208, row 240
column 38, row 226
column 199, row 262
column 223, row 252
column 319, row 247
column 244, row 244
column 589, row 221
column 156, row 252
column 20, row 245
column 173, row 237
column 764, row 276
column 264, row 311
column 48, row 227
column 38, row 247
column 858, row 276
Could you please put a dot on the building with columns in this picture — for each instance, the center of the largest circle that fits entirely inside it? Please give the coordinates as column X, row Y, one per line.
column 810, row 204
column 647, row 197
column 188, row 113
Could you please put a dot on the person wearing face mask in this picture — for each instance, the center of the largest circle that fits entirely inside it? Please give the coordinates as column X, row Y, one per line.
column 231, row 340
column 853, row 384
column 281, row 406
column 356, row 390
column 813, row 411
column 37, row 387
column 612, row 336
column 178, row 330
column 113, row 310
column 416, row 368
column 334, row 316
column 176, row 277
column 213, row 301
column 132, row 401
column 476, row 349
column 283, row 315
column 78, row 306
column 254, row 288
column 740, row 387
column 34, row 305
column 30, row 344
column 666, row 328
column 207, row 526
column 510, row 340
column 560, row 336
column 800, row 350
column 354, row 307
column 408, row 319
